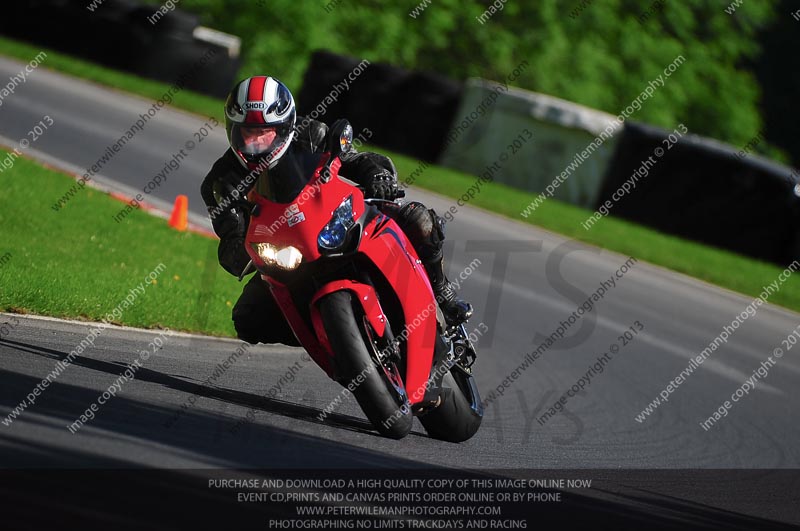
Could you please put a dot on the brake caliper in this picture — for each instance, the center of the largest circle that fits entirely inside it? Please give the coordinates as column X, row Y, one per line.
column 463, row 349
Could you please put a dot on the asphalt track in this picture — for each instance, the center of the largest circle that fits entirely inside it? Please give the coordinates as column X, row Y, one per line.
column 527, row 282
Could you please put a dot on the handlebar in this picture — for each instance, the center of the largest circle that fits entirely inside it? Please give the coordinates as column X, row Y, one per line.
column 400, row 194
column 249, row 267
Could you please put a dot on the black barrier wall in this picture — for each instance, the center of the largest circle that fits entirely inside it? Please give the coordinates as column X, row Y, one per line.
column 118, row 34
column 701, row 190
column 408, row 112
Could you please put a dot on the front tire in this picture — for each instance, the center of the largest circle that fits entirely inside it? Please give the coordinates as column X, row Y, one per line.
column 385, row 407
column 455, row 419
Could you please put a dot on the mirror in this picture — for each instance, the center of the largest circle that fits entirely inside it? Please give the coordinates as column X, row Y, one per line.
column 340, row 137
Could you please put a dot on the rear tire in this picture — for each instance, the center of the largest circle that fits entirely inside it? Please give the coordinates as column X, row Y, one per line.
column 453, row 420
column 385, row 408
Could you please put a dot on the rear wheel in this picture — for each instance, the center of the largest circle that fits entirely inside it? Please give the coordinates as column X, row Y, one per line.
column 375, row 383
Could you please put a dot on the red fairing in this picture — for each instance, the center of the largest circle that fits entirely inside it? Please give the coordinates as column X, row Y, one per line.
column 382, row 241
column 320, row 352
column 387, row 246
column 364, row 294
column 298, row 224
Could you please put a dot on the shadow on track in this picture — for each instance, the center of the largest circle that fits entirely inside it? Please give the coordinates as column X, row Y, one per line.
column 255, row 445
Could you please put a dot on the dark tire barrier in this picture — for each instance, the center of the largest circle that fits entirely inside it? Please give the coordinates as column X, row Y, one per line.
column 778, row 72
column 700, row 190
column 407, row 112
column 119, row 35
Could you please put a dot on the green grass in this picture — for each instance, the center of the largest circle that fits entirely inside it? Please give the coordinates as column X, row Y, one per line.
column 154, row 90
column 80, row 263
column 716, row 266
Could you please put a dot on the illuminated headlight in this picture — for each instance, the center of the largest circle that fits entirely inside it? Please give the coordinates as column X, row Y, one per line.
column 333, row 235
column 287, row 258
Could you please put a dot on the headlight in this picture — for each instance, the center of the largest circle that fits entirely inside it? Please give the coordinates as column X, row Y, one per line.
column 287, row 258
column 333, row 235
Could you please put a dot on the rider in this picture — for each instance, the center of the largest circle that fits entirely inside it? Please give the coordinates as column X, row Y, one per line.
column 260, row 120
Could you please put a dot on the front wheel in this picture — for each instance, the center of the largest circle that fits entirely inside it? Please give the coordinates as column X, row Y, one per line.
column 375, row 383
column 459, row 415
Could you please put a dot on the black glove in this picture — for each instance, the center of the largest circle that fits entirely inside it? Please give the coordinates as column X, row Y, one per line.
column 231, row 226
column 383, row 185
column 232, row 255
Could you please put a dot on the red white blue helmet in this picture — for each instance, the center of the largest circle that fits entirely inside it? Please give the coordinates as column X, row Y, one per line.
column 259, row 118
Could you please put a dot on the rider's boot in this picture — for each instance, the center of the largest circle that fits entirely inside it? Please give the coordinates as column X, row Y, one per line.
column 455, row 310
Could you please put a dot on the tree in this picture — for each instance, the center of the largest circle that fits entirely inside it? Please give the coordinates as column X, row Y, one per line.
column 601, row 54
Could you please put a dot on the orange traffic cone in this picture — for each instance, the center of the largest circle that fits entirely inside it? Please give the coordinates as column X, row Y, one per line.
column 179, row 219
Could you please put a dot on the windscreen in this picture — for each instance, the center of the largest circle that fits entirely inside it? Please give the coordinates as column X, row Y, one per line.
column 284, row 182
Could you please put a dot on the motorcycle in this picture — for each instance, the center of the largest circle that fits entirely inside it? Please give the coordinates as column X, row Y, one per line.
column 358, row 299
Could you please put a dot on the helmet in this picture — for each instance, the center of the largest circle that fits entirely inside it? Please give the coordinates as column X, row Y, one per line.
column 259, row 119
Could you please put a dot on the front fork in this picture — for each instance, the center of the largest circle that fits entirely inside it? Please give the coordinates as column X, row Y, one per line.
column 464, row 356
column 463, row 349
column 455, row 354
